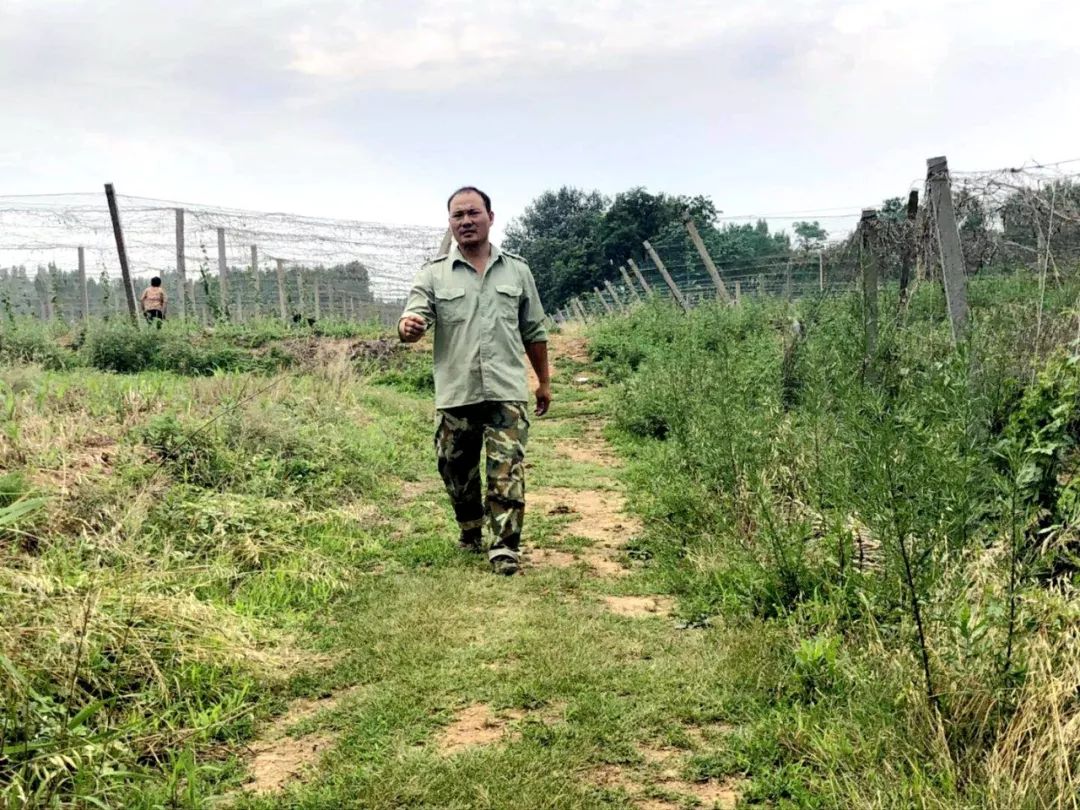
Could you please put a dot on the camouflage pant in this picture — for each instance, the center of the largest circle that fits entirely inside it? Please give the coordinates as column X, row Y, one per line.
column 502, row 428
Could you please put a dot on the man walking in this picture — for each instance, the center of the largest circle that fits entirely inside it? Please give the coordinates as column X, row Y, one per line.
column 487, row 315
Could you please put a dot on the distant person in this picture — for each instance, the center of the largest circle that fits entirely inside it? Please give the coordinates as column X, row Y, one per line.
column 153, row 302
column 487, row 316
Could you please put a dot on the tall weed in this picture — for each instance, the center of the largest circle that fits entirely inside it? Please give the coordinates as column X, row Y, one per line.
column 790, row 475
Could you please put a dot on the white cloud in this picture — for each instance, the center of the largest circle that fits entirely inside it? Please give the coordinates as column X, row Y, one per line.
column 371, row 109
column 445, row 44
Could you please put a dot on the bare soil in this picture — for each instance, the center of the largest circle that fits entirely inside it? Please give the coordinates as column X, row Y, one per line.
column 637, row 606
column 276, row 759
column 598, row 514
column 586, row 450
column 274, row 765
column 662, row 771
column 476, row 725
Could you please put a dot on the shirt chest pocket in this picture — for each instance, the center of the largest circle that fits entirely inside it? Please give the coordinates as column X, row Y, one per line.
column 506, row 301
column 451, row 306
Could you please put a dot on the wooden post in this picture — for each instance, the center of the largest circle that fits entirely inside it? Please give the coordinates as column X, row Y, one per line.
column 190, row 300
column 821, row 271
column 580, row 310
column 299, row 293
column 41, row 287
column 695, row 237
column 280, row 263
column 600, row 295
column 629, row 282
column 614, row 296
column 82, row 285
column 868, row 265
column 738, row 292
column 948, row 236
column 330, row 300
column 121, row 251
column 223, row 273
column 256, row 280
column 181, row 264
column 907, row 246
column 239, row 315
column 675, row 291
column 641, row 279
column 315, row 297
column 787, row 281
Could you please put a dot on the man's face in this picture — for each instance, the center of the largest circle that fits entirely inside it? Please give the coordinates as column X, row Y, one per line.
column 470, row 221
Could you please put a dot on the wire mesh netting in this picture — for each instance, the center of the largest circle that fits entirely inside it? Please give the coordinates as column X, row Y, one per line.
column 339, row 261
column 1019, row 219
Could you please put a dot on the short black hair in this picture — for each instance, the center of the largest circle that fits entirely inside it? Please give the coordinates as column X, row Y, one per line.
column 155, row 281
column 464, row 189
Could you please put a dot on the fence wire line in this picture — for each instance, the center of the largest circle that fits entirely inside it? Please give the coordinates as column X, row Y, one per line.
column 48, row 229
column 1009, row 219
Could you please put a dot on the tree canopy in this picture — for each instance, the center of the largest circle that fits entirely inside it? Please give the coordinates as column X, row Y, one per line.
column 575, row 239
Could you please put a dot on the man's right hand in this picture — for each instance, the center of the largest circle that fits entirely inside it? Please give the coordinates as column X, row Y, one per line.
column 411, row 328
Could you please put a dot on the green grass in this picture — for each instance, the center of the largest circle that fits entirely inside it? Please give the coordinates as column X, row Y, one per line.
column 196, row 552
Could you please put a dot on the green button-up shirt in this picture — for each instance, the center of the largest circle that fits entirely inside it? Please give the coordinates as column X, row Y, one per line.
column 482, row 323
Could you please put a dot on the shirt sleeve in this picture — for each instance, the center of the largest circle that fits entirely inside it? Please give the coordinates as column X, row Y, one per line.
column 531, row 311
column 421, row 300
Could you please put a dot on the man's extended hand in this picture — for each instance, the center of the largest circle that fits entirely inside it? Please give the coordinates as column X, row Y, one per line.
column 411, row 328
column 543, row 398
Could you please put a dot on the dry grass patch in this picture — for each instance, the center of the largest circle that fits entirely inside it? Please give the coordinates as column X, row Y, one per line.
column 587, row 450
column 415, row 490
column 361, row 511
column 600, row 562
column 560, row 346
column 570, row 346
column 476, row 725
column 637, row 606
column 662, row 775
column 550, row 558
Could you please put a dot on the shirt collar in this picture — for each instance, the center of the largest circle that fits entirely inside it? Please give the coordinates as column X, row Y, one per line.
column 455, row 255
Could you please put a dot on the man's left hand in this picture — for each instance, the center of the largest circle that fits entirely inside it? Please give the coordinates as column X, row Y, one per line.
column 543, row 398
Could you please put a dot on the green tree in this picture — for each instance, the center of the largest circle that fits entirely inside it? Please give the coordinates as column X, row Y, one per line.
column 810, row 234
column 558, row 234
column 636, row 215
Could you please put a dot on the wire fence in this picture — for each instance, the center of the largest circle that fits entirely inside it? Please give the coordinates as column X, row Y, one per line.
column 50, row 243
column 58, row 256
column 1017, row 219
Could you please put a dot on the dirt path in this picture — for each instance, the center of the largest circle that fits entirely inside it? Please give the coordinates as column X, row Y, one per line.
column 576, row 568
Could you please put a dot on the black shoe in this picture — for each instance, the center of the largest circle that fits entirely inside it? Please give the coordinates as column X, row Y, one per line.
column 504, row 561
column 472, row 540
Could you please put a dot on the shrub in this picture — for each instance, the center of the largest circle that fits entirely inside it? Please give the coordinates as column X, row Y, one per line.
column 126, row 349
column 409, row 372
column 30, row 342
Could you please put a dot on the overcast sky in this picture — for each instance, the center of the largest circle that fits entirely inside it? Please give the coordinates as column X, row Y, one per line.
column 376, row 110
